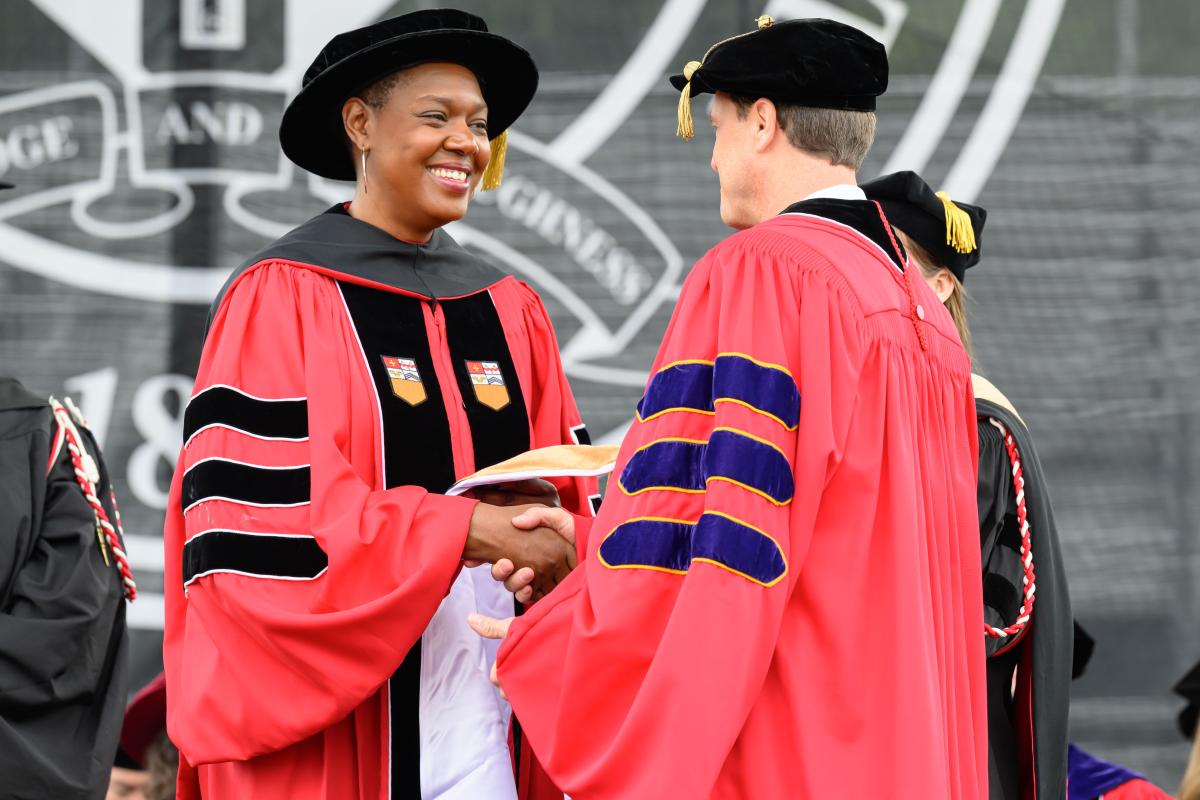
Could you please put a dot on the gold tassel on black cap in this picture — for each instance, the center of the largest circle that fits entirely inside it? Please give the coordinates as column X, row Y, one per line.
column 960, row 233
column 684, row 127
column 494, row 174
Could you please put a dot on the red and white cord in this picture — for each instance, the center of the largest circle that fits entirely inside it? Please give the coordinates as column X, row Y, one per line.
column 113, row 535
column 1028, row 579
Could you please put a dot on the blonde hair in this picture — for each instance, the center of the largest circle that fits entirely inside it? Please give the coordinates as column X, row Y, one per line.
column 1189, row 789
column 956, row 303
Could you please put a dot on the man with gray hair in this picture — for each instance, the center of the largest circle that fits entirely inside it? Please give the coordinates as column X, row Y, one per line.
column 777, row 598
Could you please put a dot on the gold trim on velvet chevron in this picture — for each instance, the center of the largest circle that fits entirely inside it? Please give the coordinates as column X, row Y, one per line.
column 749, row 462
column 697, row 386
column 734, row 456
column 670, row 464
column 664, row 544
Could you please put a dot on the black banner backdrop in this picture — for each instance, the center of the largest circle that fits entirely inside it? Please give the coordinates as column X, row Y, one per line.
column 141, row 137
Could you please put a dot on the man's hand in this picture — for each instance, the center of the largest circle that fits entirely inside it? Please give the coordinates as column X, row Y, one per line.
column 519, row 581
column 490, row 628
column 505, row 534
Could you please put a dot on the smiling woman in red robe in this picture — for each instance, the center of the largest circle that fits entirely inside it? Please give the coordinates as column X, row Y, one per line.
column 352, row 371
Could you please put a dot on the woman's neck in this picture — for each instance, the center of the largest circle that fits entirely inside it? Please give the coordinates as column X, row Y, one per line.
column 368, row 209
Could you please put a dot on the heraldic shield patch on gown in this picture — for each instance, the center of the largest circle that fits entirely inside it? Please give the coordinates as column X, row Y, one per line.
column 488, row 383
column 405, row 379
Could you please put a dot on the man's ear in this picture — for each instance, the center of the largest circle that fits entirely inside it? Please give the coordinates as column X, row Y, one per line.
column 765, row 117
column 356, row 118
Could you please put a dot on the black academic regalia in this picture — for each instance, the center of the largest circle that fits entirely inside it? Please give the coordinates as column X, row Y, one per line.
column 63, row 641
column 1041, row 654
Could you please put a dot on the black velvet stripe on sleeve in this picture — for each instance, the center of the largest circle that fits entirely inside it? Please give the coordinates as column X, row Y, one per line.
column 581, row 435
column 260, row 555
column 219, row 479
column 229, row 408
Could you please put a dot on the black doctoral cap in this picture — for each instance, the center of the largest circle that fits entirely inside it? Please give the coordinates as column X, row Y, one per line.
column 807, row 62
column 1189, row 689
column 311, row 131
column 947, row 229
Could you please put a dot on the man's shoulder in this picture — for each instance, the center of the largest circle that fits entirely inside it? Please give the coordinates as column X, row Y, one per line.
column 767, row 245
column 814, row 246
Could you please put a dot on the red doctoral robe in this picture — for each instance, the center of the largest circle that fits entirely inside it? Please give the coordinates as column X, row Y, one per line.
column 347, row 379
column 781, row 593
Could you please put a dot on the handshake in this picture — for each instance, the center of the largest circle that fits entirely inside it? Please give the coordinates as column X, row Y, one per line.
column 520, row 531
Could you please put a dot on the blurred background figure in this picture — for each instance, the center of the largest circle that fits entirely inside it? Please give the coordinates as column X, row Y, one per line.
column 63, row 643
column 1092, row 778
column 128, row 780
column 146, row 760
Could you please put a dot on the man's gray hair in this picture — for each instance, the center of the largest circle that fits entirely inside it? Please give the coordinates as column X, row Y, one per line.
column 844, row 137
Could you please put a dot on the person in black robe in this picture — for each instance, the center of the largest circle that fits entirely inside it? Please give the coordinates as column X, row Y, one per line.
column 1027, row 633
column 63, row 642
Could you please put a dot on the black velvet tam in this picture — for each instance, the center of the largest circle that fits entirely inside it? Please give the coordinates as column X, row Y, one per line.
column 809, row 62
column 311, row 130
column 912, row 206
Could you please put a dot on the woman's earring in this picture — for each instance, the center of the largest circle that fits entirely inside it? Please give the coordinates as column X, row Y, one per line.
column 364, row 169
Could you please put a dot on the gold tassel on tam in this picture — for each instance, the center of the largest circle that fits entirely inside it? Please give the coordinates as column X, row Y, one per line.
column 494, row 174
column 684, row 128
column 960, row 234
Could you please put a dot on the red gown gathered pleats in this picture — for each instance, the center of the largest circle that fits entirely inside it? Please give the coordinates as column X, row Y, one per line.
column 781, row 594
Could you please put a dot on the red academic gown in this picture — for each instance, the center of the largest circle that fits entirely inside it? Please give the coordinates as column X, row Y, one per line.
column 781, row 592
column 346, row 380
